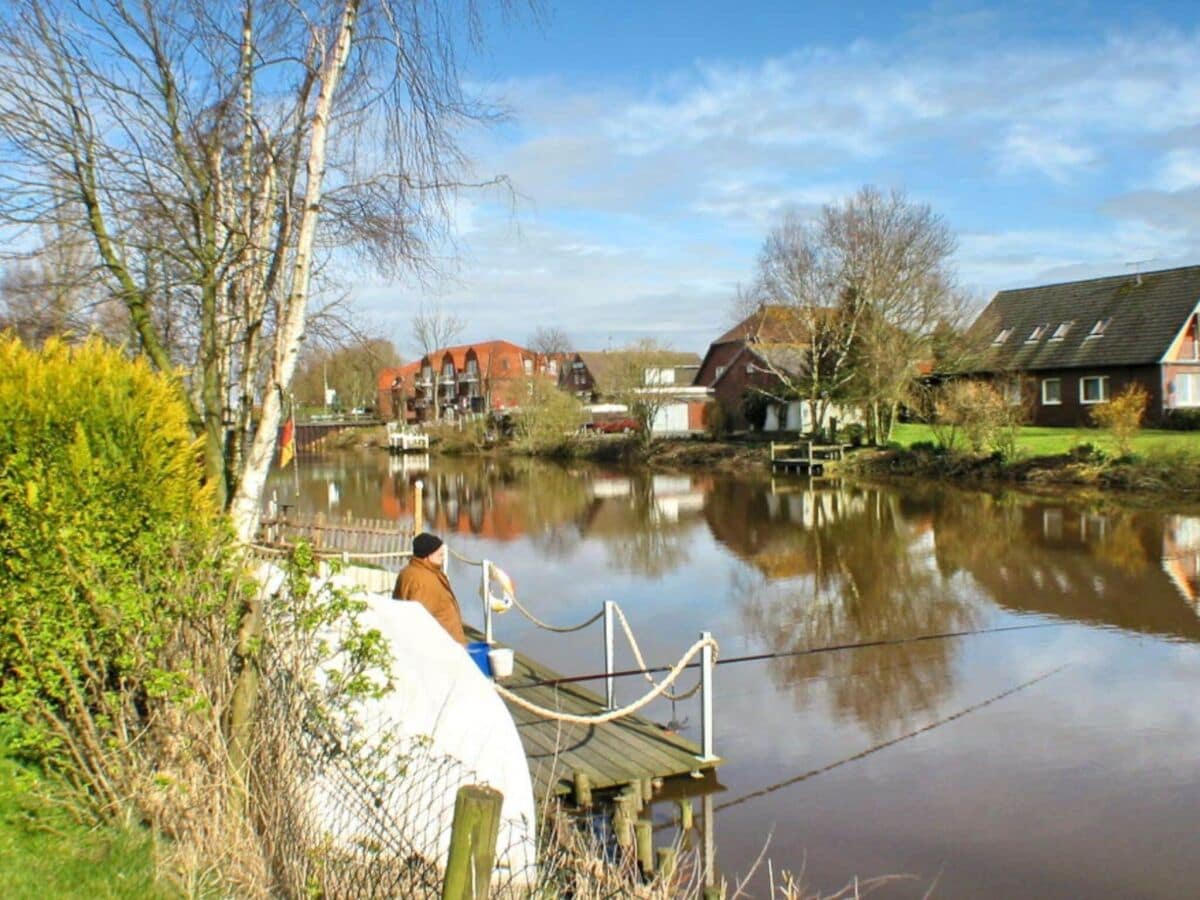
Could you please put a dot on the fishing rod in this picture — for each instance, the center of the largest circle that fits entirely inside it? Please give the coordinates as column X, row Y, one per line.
column 779, row 654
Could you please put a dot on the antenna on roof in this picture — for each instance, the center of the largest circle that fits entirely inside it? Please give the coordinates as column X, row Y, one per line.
column 1137, row 269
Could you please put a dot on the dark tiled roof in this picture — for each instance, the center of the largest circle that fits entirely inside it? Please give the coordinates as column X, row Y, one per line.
column 1144, row 315
column 770, row 324
column 605, row 365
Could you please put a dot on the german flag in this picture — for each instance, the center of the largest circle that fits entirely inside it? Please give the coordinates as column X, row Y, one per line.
column 287, row 443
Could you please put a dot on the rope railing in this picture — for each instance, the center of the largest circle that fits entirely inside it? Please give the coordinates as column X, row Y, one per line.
column 637, row 654
column 613, row 714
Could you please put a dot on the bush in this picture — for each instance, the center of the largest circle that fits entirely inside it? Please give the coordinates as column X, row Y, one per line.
column 754, row 407
column 716, row 422
column 1182, row 420
column 103, row 527
column 855, row 433
column 1122, row 416
column 975, row 414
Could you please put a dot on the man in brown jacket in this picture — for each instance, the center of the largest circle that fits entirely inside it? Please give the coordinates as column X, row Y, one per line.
column 424, row 582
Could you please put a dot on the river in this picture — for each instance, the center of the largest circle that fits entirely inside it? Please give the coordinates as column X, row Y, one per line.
column 1061, row 760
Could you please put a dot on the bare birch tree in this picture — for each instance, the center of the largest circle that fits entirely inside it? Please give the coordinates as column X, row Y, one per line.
column 218, row 149
column 436, row 329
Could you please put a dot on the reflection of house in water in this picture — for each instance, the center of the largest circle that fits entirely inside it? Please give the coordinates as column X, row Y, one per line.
column 1181, row 555
column 1113, row 568
column 624, row 503
column 404, row 464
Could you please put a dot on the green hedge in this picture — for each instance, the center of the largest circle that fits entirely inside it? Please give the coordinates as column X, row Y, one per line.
column 103, row 525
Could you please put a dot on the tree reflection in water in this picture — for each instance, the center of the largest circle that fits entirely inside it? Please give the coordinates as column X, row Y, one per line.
column 838, row 565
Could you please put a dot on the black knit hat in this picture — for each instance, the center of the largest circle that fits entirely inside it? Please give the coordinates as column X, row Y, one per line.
column 425, row 544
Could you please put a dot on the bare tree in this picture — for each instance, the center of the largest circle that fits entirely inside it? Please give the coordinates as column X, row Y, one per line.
column 550, row 341
column 218, row 150
column 435, row 329
column 808, row 333
column 637, row 377
column 855, row 305
column 893, row 260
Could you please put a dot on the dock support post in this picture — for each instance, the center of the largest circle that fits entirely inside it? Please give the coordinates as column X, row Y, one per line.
column 643, row 831
column 686, row 814
column 623, row 821
column 706, row 699
column 418, row 506
column 583, row 790
column 487, row 602
column 608, row 654
column 472, row 843
column 708, row 857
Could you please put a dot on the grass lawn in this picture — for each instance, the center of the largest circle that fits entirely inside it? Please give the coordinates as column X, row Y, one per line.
column 45, row 853
column 1035, row 441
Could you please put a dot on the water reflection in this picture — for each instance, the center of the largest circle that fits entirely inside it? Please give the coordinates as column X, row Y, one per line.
column 1102, row 755
column 838, row 565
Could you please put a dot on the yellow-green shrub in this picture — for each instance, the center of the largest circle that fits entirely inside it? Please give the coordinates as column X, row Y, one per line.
column 105, row 538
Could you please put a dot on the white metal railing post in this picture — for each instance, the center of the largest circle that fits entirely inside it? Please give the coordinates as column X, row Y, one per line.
column 608, row 653
column 706, row 698
column 487, row 602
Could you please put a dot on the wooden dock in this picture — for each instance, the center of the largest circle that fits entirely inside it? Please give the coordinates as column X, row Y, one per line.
column 612, row 755
column 805, row 457
column 382, row 538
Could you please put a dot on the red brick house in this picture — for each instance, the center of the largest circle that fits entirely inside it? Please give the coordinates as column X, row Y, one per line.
column 468, row 378
column 1063, row 348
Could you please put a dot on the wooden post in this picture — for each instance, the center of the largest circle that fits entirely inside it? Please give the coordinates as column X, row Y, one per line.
column 644, row 835
column 472, row 843
column 647, row 790
column 623, row 821
column 583, row 790
column 666, row 862
column 418, row 507
column 634, row 793
column 686, row 814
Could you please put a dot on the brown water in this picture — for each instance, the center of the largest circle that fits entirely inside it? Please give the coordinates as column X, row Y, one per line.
column 1058, row 761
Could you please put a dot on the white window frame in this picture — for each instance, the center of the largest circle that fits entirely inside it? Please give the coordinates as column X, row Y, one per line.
column 1099, row 328
column 1061, row 331
column 1104, row 395
column 1003, row 335
column 1036, row 334
column 720, row 372
column 1192, row 379
column 1012, row 391
column 1045, row 383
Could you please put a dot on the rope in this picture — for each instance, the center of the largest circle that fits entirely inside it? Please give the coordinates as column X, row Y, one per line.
column 461, row 558
column 601, row 718
column 637, row 654
column 557, row 629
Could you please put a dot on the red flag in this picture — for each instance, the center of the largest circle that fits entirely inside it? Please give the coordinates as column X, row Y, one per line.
column 287, row 443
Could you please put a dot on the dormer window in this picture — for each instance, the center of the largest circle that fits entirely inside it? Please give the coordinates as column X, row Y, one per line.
column 1036, row 334
column 1061, row 331
column 1099, row 328
column 1002, row 336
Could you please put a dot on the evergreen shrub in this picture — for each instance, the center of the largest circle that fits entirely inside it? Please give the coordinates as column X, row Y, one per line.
column 110, row 548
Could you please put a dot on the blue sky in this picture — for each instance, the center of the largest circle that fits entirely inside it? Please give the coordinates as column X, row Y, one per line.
column 652, row 145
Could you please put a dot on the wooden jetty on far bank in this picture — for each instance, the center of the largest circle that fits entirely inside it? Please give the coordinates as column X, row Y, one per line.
column 806, row 457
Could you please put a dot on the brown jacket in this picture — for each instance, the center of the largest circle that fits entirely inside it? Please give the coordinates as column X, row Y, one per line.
column 425, row 583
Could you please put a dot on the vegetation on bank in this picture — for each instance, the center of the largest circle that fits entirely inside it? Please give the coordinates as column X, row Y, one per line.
column 47, row 852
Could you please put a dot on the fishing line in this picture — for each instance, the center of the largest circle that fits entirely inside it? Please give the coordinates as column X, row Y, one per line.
column 780, row 654
column 812, row 773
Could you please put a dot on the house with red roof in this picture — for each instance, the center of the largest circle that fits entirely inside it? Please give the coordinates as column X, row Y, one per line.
column 461, row 380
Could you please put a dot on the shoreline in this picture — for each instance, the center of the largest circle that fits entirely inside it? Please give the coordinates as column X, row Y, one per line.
column 1151, row 475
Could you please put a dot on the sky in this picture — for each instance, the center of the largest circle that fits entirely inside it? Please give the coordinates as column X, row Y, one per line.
column 651, row 146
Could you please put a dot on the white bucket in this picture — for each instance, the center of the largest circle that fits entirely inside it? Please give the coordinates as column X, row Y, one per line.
column 501, row 659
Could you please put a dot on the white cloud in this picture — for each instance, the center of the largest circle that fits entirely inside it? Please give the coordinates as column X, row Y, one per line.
column 1028, row 148
column 1180, row 170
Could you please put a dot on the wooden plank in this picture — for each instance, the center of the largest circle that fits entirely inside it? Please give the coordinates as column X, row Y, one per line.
column 611, row 755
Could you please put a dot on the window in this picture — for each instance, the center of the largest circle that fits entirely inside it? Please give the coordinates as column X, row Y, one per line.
column 1051, row 391
column 448, row 369
column 552, row 366
column 1187, row 390
column 528, row 364
column 720, row 372
column 1011, row 391
column 1002, row 336
column 1036, row 334
column 1093, row 389
column 1061, row 331
column 1099, row 328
